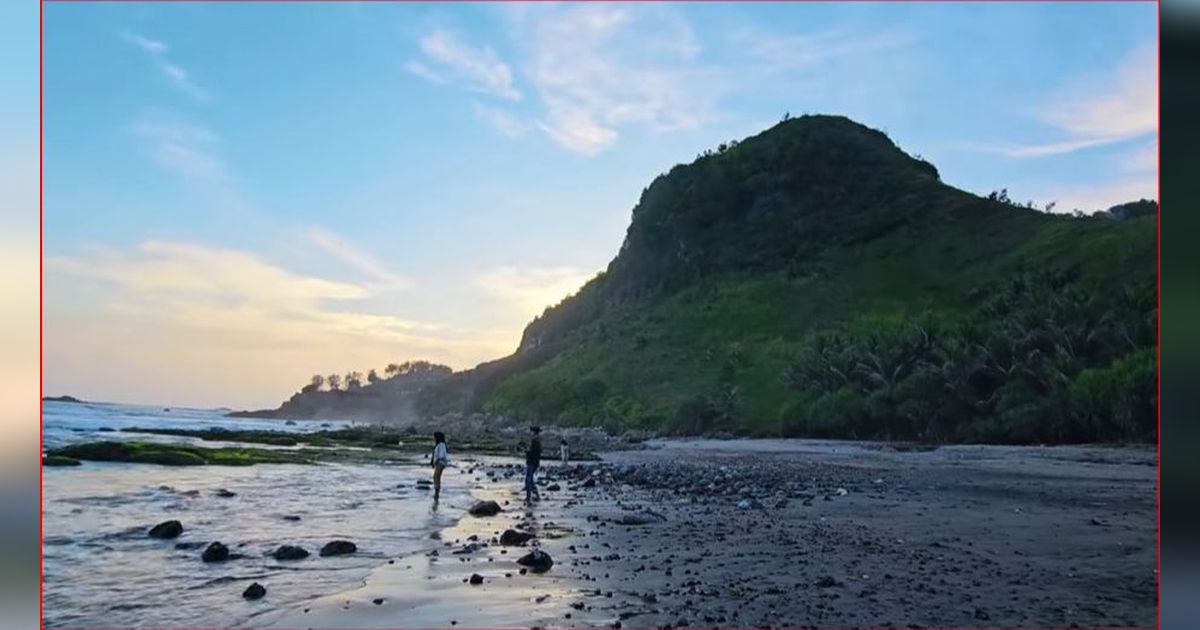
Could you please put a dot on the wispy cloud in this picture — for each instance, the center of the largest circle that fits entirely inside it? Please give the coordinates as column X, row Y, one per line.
column 159, row 269
column 148, row 45
column 183, row 149
column 786, row 52
column 249, row 329
column 449, row 60
column 504, row 121
column 529, row 290
column 175, row 74
column 600, row 68
column 343, row 250
column 1134, row 176
column 1102, row 109
column 198, row 284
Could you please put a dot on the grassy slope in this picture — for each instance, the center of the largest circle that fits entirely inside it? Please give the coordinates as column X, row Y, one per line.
column 651, row 356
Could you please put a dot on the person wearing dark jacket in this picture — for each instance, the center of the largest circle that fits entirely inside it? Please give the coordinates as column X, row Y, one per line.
column 533, row 459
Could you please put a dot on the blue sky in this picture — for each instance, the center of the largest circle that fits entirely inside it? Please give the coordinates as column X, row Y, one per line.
column 238, row 197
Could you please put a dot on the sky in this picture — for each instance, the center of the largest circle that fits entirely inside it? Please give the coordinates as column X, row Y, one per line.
column 239, row 197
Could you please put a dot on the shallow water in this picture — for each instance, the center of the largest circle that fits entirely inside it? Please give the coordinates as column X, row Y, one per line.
column 101, row 569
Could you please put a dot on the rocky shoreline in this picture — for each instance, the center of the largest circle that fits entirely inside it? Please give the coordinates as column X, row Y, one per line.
column 695, row 536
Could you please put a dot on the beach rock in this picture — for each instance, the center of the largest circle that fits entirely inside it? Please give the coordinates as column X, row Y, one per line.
column 290, row 552
column 166, row 530
column 291, row 517
column 514, row 538
column 484, row 508
column 537, row 561
column 215, row 552
column 338, row 548
column 476, row 578
column 826, row 581
column 254, row 591
column 225, row 494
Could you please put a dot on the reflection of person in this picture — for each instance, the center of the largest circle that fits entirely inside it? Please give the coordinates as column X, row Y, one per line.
column 533, row 459
column 564, row 450
column 439, row 460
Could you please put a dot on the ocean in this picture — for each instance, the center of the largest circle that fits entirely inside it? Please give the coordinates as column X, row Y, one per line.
column 100, row 569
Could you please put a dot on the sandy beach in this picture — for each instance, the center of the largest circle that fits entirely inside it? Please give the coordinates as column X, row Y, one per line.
column 757, row 533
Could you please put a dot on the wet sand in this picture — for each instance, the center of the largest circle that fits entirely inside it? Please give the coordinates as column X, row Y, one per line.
column 788, row 533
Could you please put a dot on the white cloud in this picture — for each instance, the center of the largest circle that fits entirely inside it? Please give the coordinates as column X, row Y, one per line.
column 1108, row 107
column 476, row 69
column 159, row 269
column 504, row 121
column 345, row 251
column 174, row 320
column 529, row 290
column 157, row 51
column 599, row 68
column 576, row 129
column 148, row 45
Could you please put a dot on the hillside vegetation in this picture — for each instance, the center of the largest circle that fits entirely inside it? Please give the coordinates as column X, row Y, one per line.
column 815, row 280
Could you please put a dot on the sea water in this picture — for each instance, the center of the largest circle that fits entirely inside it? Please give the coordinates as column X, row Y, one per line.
column 100, row 569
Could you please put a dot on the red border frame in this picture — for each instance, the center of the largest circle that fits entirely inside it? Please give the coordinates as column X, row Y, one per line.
column 41, row 275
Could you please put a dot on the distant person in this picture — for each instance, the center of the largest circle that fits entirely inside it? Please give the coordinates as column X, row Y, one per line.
column 439, row 460
column 564, row 450
column 533, row 459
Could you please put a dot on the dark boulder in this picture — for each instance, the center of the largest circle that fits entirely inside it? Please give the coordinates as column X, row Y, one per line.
column 215, row 552
column 254, row 591
column 225, row 494
column 537, row 561
column 514, row 538
column 290, row 552
column 476, row 578
column 166, row 530
column 338, row 548
column 485, row 508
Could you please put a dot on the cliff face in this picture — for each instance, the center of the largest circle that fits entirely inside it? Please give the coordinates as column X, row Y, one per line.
column 766, row 203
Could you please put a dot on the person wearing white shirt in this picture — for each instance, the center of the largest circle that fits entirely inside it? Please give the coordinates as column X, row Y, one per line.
column 439, row 460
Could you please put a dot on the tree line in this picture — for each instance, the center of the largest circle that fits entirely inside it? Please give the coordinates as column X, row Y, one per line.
column 354, row 380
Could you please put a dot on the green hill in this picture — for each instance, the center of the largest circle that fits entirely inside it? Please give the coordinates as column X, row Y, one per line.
column 815, row 280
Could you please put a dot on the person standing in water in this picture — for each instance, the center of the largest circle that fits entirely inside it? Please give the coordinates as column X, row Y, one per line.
column 564, row 450
column 533, row 459
column 439, row 460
